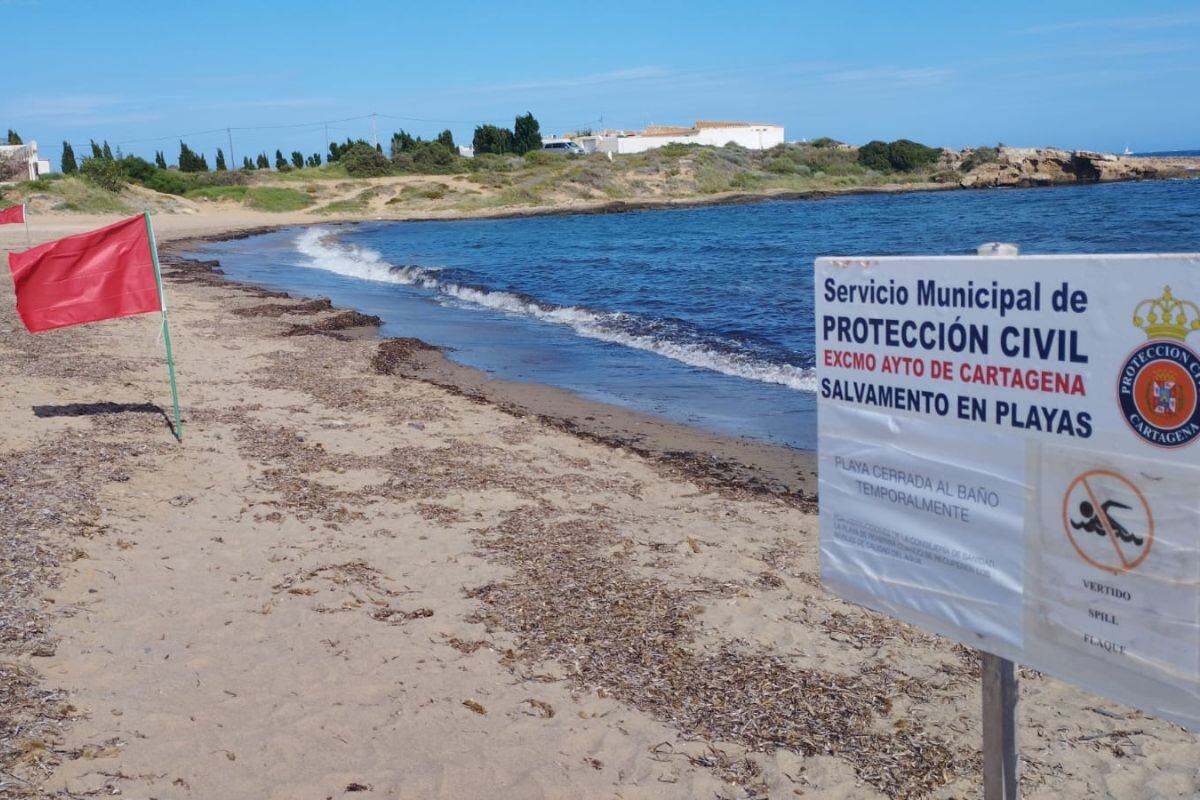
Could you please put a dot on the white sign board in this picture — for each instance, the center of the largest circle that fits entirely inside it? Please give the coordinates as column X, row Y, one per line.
column 1010, row 456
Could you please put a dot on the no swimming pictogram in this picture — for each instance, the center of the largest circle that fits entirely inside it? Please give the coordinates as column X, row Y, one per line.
column 1108, row 520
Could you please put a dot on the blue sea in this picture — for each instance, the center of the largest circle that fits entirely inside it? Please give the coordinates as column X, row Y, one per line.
column 703, row 315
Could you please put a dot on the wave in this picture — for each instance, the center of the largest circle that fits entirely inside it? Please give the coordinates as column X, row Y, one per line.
column 673, row 339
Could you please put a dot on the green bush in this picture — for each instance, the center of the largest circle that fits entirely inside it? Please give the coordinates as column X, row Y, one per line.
column 677, row 150
column 434, row 157
column 781, row 165
column 539, row 158
column 907, row 155
column 874, row 155
column 105, row 173
column 169, row 182
column 361, row 160
column 138, row 170
column 902, row 155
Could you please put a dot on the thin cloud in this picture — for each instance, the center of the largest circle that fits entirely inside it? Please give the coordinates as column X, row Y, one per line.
column 283, row 102
column 890, row 76
column 596, row 79
column 63, row 105
column 1121, row 23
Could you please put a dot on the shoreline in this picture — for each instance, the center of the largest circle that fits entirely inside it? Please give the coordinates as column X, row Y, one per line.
column 345, row 580
column 712, row 459
column 600, row 207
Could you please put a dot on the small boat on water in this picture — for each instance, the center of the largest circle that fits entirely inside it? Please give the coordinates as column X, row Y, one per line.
column 1127, row 152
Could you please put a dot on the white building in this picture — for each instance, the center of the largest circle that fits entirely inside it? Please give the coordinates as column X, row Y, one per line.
column 20, row 162
column 751, row 135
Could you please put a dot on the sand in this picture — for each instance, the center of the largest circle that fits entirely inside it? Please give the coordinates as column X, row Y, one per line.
column 375, row 575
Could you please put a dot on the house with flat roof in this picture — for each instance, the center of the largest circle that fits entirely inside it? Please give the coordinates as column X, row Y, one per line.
column 751, row 135
column 20, row 162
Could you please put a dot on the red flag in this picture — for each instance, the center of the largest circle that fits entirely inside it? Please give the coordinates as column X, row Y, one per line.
column 15, row 214
column 86, row 278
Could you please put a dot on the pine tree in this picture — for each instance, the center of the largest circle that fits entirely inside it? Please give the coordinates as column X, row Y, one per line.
column 247, row 164
column 220, row 160
column 160, row 160
column 526, row 134
column 403, row 142
column 446, row 139
column 69, row 167
column 262, row 162
column 190, row 161
column 95, row 149
column 280, row 161
column 107, row 151
column 314, row 160
column 297, row 159
column 14, row 137
column 492, row 139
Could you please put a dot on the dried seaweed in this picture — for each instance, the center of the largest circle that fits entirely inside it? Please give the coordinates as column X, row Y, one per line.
column 341, row 321
column 392, row 353
column 276, row 310
column 572, row 600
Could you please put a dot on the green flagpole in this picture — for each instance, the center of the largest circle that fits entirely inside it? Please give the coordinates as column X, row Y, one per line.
column 166, row 328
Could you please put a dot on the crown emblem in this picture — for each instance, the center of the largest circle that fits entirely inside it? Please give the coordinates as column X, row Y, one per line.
column 1167, row 317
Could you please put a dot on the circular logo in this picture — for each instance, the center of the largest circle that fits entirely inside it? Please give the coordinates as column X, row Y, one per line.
column 1159, row 392
column 1108, row 520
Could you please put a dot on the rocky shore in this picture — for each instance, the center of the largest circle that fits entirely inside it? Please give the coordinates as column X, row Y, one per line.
column 1047, row 166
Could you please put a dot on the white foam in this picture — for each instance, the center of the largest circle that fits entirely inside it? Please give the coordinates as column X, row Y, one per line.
column 357, row 262
column 324, row 252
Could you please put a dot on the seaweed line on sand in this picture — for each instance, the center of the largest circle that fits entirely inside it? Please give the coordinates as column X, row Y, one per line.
column 572, row 600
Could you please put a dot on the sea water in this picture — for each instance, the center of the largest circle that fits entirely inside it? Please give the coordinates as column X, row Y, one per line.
column 702, row 315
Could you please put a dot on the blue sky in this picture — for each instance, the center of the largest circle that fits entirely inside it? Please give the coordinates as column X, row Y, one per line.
column 1098, row 75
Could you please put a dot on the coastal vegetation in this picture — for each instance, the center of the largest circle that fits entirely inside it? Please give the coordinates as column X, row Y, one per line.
column 415, row 176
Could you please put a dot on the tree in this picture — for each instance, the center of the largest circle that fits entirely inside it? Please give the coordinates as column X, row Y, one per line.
column 446, row 139
column 297, row 159
column 402, row 142
column 262, row 162
column 526, row 134
column 247, row 164
column 105, row 173
column 160, row 160
column 364, row 161
column 337, row 150
column 136, row 169
column 280, row 161
column 107, row 151
column 190, row 161
column 14, row 137
column 69, row 167
column 492, row 139
column 95, row 149
column 314, row 160
column 220, row 160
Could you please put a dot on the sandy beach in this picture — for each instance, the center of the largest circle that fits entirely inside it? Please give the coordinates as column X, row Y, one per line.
column 369, row 572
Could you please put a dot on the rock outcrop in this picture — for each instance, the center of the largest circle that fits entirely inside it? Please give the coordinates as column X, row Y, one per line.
column 1028, row 166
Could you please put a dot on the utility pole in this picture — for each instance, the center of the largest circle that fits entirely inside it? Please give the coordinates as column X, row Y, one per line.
column 232, row 160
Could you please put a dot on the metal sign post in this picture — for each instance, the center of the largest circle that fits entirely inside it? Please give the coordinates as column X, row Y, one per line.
column 1000, row 773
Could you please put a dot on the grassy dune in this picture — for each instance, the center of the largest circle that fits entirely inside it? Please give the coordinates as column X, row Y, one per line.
column 486, row 183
